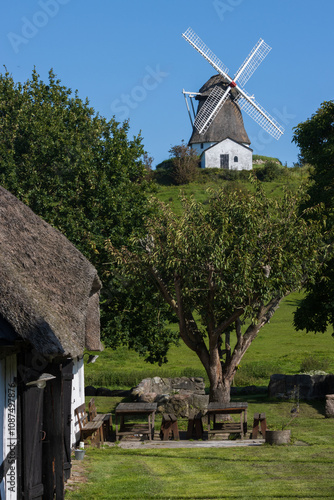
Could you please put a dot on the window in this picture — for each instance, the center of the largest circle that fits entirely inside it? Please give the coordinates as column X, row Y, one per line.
column 235, row 159
column 202, row 145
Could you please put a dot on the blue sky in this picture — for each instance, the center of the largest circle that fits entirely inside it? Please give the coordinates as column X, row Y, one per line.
column 129, row 58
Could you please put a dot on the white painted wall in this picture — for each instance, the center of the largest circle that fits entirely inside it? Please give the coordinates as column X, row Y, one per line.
column 78, row 396
column 211, row 157
column 199, row 149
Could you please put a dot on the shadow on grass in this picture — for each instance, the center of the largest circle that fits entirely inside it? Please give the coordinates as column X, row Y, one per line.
column 293, row 302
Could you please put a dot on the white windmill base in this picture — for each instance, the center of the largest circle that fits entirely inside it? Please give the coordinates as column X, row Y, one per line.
column 227, row 154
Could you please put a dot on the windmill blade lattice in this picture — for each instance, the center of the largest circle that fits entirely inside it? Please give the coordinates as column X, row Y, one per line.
column 252, row 62
column 200, row 46
column 217, row 98
column 259, row 115
column 210, row 108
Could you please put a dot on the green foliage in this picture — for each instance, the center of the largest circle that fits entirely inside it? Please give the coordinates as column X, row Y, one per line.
column 312, row 363
column 181, row 168
column 315, row 138
column 221, row 174
column 270, row 171
column 75, row 169
column 185, row 164
column 163, row 173
column 257, row 158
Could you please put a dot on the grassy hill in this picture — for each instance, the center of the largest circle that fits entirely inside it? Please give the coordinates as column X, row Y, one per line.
column 284, row 177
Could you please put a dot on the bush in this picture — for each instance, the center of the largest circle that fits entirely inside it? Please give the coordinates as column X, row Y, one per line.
column 269, row 171
column 218, row 174
column 311, row 364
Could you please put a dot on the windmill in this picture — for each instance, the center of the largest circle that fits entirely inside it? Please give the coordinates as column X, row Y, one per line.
column 223, row 95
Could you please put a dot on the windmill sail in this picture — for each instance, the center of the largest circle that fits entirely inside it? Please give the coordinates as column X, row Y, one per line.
column 259, row 114
column 200, row 46
column 210, row 108
column 252, row 62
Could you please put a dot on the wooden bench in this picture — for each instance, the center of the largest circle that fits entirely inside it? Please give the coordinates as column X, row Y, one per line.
column 92, row 430
column 105, row 418
column 227, row 426
column 135, row 410
column 169, row 428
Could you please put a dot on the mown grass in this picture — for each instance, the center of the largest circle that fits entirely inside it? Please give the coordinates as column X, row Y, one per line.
column 302, row 469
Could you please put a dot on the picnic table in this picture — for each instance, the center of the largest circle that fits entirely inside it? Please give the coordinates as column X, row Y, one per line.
column 227, row 426
column 133, row 428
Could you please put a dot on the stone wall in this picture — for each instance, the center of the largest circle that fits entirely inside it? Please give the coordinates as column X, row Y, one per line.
column 181, row 396
column 310, row 386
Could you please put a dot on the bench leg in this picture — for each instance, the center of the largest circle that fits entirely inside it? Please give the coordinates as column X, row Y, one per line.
column 169, row 428
column 259, row 420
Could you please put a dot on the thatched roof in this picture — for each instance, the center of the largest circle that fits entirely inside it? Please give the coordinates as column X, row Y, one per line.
column 48, row 289
column 228, row 122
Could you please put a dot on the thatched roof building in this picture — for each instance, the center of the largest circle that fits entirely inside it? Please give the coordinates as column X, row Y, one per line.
column 227, row 124
column 49, row 292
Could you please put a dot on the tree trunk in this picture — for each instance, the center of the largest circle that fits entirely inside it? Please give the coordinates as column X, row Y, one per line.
column 220, row 392
column 220, row 383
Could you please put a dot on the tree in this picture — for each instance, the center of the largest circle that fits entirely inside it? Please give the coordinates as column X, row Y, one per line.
column 184, row 164
column 223, row 269
column 75, row 169
column 315, row 138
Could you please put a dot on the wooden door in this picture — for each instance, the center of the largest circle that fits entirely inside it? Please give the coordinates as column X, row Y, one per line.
column 32, row 442
column 57, row 411
column 67, row 376
column 224, row 161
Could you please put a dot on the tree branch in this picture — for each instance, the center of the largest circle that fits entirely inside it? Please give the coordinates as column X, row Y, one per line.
column 225, row 324
column 163, row 289
column 188, row 327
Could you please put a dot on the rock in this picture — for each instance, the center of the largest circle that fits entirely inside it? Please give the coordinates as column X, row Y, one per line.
column 329, row 409
column 90, row 391
column 309, row 386
column 179, row 405
column 200, row 402
column 173, row 395
column 148, row 397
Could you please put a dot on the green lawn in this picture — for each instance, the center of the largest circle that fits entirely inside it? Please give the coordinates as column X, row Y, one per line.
column 303, row 469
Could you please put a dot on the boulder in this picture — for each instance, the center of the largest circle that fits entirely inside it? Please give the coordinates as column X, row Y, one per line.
column 329, row 410
column 309, row 386
column 179, row 395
